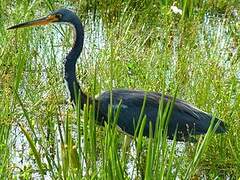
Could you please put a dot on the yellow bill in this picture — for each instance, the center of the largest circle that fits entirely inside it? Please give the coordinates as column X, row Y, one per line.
column 37, row 22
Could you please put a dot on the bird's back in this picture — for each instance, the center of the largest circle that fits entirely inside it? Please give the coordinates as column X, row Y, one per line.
column 186, row 118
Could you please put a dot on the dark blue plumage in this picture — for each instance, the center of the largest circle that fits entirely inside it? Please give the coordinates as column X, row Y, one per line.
column 187, row 119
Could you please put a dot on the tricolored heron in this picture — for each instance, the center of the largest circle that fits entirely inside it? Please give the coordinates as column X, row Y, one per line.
column 185, row 119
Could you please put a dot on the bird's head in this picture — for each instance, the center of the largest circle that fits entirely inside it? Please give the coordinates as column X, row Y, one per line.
column 61, row 15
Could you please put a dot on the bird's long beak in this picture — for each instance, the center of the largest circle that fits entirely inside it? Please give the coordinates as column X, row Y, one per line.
column 37, row 22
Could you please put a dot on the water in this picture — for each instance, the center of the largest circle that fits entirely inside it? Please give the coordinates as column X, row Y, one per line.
column 51, row 53
column 95, row 41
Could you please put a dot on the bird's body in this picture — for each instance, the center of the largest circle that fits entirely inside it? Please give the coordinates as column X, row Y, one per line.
column 185, row 119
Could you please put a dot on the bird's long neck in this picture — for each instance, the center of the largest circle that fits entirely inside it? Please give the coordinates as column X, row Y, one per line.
column 70, row 65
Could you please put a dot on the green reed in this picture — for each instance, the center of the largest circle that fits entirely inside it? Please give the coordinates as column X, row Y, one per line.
column 146, row 46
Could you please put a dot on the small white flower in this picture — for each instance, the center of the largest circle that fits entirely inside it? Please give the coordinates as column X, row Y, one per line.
column 176, row 10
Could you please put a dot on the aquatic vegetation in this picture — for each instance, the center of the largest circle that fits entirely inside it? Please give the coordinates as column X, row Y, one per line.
column 128, row 44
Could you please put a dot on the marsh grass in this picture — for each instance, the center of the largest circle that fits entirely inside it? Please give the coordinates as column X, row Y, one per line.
column 128, row 45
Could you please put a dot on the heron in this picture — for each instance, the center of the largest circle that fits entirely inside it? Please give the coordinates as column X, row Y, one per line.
column 185, row 120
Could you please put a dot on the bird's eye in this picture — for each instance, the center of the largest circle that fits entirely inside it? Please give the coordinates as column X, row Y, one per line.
column 59, row 16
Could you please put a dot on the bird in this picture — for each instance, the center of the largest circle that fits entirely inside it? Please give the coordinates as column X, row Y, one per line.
column 184, row 121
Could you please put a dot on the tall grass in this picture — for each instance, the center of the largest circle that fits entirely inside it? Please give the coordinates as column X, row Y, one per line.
column 4, row 148
column 138, row 45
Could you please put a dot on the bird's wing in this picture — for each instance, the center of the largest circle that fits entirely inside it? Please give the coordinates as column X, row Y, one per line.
column 191, row 120
column 185, row 118
column 130, row 104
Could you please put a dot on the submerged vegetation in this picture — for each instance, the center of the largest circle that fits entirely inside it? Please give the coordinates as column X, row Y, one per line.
column 188, row 47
